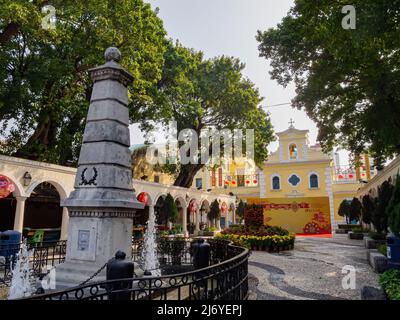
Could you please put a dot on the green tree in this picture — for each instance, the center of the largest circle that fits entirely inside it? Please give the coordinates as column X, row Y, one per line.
column 348, row 81
column 206, row 94
column 368, row 207
column 393, row 209
column 380, row 217
column 344, row 209
column 44, row 83
column 241, row 209
column 355, row 209
column 169, row 209
column 215, row 211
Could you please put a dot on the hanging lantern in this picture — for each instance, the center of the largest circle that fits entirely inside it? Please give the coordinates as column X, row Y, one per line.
column 247, row 181
column 143, row 197
column 351, row 176
column 224, row 208
column 6, row 187
column 363, row 174
column 226, row 182
column 340, row 176
column 255, row 181
column 234, row 182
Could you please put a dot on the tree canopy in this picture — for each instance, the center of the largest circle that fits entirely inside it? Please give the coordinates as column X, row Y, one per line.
column 45, row 88
column 169, row 209
column 348, row 81
column 44, row 84
column 201, row 94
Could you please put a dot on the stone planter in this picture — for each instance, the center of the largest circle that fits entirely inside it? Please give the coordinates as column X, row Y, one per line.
column 372, row 244
column 371, row 293
column 355, row 236
column 377, row 261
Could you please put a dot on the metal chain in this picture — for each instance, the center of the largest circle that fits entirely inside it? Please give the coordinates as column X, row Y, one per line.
column 94, row 275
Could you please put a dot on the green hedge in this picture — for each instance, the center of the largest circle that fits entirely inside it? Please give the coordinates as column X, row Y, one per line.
column 263, row 243
column 390, row 282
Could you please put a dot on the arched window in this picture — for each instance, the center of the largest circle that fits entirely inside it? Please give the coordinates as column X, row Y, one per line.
column 293, row 151
column 276, row 183
column 314, row 181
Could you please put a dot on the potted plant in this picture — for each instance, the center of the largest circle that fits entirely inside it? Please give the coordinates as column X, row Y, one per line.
column 177, row 246
column 215, row 212
column 169, row 209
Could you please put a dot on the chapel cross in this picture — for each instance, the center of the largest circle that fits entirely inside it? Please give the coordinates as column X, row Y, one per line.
column 291, row 122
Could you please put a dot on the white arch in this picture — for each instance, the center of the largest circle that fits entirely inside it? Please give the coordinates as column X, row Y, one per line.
column 59, row 187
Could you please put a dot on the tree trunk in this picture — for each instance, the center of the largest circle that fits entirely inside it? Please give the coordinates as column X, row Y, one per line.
column 187, row 174
column 9, row 31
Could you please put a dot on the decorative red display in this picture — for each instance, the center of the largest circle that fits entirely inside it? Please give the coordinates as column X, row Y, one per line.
column 143, row 197
column 6, row 187
column 255, row 181
column 193, row 206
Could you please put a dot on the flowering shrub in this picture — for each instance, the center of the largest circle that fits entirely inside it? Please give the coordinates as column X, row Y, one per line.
column 259, row 231
column 254, row 216
column 267, row 243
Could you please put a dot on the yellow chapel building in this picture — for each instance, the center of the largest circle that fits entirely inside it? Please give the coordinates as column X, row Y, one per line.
column 300, row 187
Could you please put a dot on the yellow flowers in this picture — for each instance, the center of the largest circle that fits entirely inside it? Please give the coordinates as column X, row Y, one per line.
column 274, row 242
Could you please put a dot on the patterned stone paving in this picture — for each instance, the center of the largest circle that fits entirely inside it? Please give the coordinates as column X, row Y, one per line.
column 312, row 271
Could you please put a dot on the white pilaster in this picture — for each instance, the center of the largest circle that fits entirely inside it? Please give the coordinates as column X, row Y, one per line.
column 19, row 214
column 328, row 184
column 64, row 224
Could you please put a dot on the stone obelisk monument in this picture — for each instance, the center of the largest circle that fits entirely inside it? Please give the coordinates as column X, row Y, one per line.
column 103, row 203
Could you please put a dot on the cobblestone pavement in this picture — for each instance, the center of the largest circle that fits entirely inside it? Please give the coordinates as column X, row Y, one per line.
column 313, row 270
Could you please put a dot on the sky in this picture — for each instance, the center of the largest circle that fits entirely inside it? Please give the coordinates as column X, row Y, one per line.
column 229, row 27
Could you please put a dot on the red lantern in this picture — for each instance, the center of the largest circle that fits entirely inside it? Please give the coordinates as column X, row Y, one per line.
column 193, row 206
column 143, row 197
column 247, row 181
column 340, row 176
column 233, row 182
column 255, row 181
column 224, row 208
column 363, row 174
column 6, row 187
column 351, row 176
column 226, row 182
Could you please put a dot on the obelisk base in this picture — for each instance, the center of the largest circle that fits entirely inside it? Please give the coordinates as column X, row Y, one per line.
column 93, row 238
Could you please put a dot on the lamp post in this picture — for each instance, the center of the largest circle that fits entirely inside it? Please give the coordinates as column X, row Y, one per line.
column 27, row 179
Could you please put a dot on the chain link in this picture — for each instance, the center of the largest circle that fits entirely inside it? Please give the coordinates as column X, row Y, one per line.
column 94, row 275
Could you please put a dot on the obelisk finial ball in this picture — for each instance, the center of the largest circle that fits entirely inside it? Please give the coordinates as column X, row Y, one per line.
column 112, row 54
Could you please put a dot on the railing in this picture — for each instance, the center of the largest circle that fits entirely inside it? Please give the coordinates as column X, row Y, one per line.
column 225, row 279
column 43, row 256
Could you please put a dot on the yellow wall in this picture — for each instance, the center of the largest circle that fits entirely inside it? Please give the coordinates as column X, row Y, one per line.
column 300, row 215
column 302, row 170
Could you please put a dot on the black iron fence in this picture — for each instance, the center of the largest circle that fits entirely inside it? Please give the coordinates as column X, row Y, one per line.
column 225, row 279
column 43, row 256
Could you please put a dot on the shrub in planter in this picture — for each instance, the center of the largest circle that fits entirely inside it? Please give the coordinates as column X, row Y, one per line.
column 382, row 248
column 390, row 283
column 177, row 246
column 254, row 216
column 377, row 236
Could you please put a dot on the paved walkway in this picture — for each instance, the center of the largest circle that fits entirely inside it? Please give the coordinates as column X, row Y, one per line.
column 313, row 270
